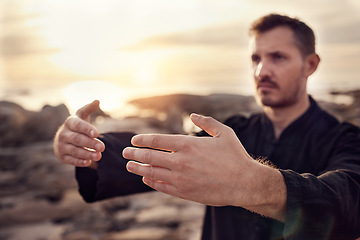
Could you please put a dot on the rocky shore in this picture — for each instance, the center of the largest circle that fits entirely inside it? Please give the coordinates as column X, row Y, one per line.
column 38, row 195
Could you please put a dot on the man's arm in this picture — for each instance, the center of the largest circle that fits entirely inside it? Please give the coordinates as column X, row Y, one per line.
column 101, row 173
column 110, row 179
column 327, row 204
column 212, row 170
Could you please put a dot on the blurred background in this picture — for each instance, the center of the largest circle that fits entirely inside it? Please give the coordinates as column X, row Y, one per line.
column 150, row 63
column 73, row 51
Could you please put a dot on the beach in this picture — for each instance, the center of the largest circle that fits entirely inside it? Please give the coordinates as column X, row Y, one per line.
column 38, row 194
column 150, row 64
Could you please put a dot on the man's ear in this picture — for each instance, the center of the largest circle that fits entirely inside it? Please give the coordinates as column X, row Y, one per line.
column 311, row 64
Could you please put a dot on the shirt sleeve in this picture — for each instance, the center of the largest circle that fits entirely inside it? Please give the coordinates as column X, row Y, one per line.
column 327, row 206
column 111, row 178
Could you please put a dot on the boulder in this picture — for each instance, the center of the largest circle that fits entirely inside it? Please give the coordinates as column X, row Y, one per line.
column 19, row 126
column 43, row 125
column 12, row 120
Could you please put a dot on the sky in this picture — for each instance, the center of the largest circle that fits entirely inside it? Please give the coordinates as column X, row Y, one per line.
column 130, row 48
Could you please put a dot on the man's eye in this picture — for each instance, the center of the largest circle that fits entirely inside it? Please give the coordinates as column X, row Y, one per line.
column 278, row 57
column 255, row 59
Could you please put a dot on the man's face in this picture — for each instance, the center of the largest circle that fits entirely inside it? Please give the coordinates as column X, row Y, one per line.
column 278, row 68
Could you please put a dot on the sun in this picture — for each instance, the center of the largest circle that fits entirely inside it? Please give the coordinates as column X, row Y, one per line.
column 78, row 94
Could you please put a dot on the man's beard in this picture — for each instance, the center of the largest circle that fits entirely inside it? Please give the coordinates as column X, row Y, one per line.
column 284, row 100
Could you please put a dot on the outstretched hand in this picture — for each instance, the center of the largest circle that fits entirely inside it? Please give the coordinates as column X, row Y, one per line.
column 201, row 169
column 75, row 142
column 214, row 170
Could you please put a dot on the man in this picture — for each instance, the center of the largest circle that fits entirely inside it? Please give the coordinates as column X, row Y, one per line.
column 310, row 189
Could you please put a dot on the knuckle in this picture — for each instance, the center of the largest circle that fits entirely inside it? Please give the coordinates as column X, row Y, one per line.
column 147, row 157
column 155, row 141
column 229, row 130
column 151, row 172
column 73, row 151
column 76, row 125
column 186, row 145
column 183, row 164
column 69, row 121
column 62, row 136
column 76, row 138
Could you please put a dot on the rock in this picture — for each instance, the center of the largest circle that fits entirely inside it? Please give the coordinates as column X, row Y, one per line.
column 32, row 232
column 37, row 210
column 162, row 215
column 148, row 233
column 39, row 197
column 177, row 106
column 12, row 120
column 19, row 126
column 80, row 235
column 345, row 112
column 34, row 167
column 125, row 218
column 132, row 124
column 51, row 117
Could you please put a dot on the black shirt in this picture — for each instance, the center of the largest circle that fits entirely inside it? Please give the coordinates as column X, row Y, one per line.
column 318, row 157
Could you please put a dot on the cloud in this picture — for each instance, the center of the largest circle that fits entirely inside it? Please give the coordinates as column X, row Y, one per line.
column 339, row 29
column 231, row 35
column 23, row 44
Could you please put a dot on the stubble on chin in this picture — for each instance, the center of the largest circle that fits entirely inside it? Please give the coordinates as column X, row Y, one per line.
column 265, row 99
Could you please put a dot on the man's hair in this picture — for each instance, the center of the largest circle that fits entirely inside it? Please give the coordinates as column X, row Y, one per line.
column 303, row 34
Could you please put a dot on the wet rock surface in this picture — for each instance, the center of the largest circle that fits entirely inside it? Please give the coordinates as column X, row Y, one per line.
column 38, row 195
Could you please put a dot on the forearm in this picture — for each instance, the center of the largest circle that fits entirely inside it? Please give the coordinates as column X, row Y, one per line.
column 108, row 177
column 266, row 192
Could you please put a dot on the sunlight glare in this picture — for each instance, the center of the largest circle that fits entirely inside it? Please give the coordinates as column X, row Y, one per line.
column 78, row 94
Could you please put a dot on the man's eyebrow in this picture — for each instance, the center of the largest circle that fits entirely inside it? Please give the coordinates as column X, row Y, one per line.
column 277, row 52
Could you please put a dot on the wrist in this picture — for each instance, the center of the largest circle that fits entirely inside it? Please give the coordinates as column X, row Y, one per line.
column 265, row 192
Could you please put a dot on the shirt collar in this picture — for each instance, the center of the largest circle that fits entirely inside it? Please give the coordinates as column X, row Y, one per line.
column 299, row 124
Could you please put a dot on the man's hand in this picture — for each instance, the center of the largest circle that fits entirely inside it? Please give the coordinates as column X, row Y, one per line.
column 75, row 142
column 213, row 170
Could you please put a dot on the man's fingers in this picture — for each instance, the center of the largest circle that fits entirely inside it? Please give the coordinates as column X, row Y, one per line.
column 161, row 186
column 76, row 161
column 208, row 124
column 79, row 140
column 87, row 110
column 149, row 171
column 81, row 153
column 80, row 126
column 148, row 156
column 165, row 142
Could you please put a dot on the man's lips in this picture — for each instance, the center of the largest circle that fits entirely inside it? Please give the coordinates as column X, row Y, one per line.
column 266, row 85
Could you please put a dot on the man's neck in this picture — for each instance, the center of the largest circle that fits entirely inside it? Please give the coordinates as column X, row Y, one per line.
column 282, row 117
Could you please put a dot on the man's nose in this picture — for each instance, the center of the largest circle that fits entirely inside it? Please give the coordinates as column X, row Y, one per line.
column 262, row 70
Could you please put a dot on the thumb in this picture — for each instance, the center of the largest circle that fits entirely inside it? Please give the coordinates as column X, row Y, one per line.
column 85, row 112
column 213, row 127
